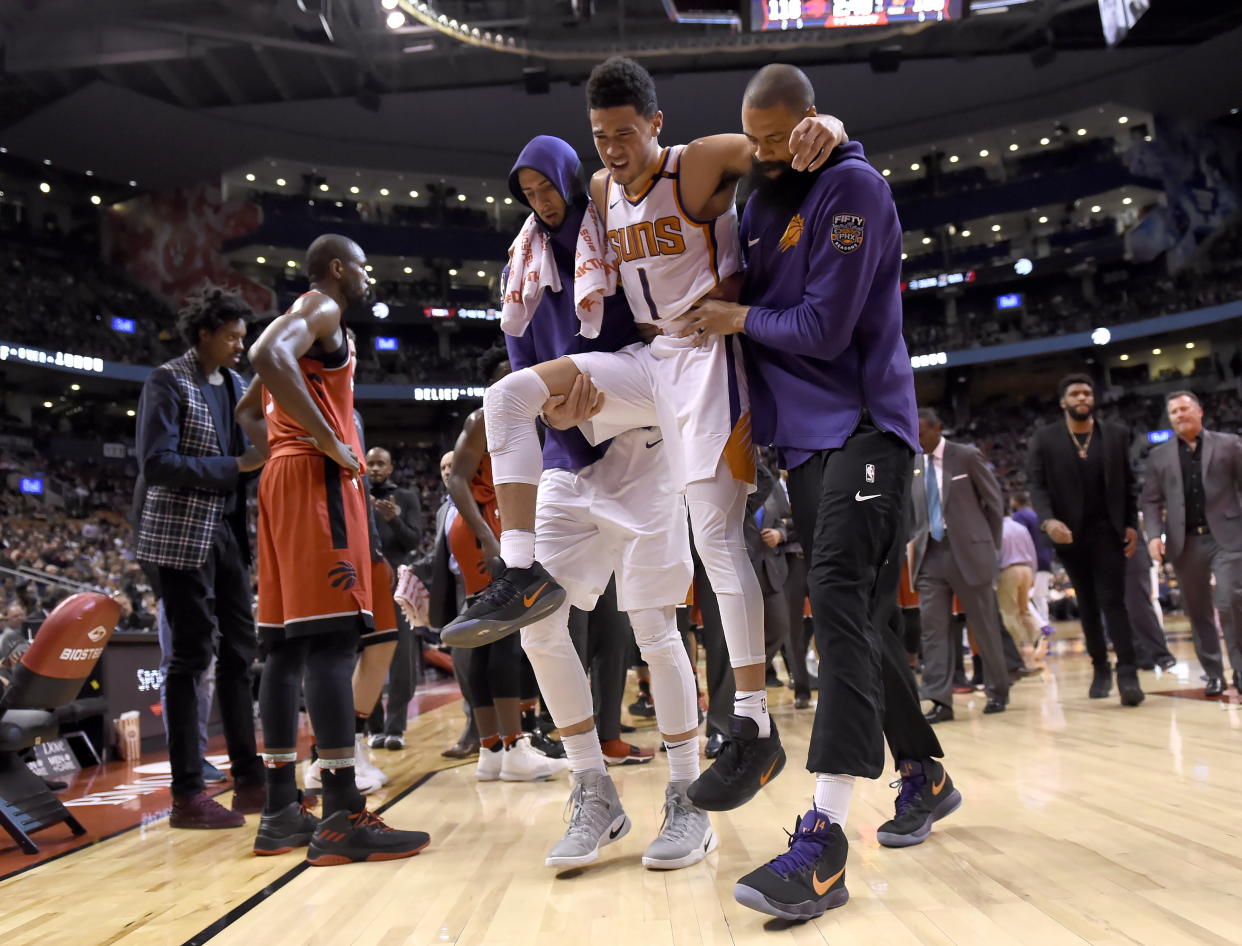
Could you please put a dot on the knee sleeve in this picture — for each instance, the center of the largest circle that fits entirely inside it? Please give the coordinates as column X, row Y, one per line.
column 510, row 407
column 329, row 687
column 558, row 669
column 672, row 677
column 717, row 508
column 279, row 690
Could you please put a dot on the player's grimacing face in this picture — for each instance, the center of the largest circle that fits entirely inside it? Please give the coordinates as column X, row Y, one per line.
column 544, row 199
column 768, row 130
column 626, row 142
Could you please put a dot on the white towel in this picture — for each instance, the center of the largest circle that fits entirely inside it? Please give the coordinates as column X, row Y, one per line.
column 595, row 272
column 532, row 269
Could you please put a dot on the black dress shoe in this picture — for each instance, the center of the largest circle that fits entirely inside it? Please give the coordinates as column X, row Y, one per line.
column 1128, row 686
column 1168, row 662
column 715, row 742
column 939, row 714
column 996, row 704
column 802, row 701
column 1101, row 684
column 1237, row 681
column 461, row 750
column 1215, row 686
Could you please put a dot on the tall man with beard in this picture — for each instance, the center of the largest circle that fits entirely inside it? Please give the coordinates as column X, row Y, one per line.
column 1084, row 492
column 832, row 389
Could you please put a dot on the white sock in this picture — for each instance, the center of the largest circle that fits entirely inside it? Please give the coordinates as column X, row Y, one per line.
column 833, row 794
column 754, row 705
column 584, row 752
column 683, row 760
column 517, row 548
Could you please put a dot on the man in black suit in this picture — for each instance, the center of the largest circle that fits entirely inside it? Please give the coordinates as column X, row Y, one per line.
column 1083, row 490
column 193, row 456
column 1193, row 495
column 956, row 512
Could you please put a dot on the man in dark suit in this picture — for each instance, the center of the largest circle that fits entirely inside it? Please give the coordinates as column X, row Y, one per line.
column 1083, row 490
column 193, row 456
column 399, row 523
column 957, row 510
column 1193, row 494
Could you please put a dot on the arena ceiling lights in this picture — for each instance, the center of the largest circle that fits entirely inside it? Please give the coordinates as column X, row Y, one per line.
column 701, row 44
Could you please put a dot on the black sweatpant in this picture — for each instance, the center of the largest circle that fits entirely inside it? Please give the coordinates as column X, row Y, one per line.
column 848, row 505
column 199, row 602
column 495, row 672
column 1096, row 565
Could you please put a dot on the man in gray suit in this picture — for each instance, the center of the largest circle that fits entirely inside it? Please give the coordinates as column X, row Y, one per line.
column 957, row 512
column 1193, row 495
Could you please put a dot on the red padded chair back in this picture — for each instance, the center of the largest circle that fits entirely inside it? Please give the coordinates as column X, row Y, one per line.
column 64, row 652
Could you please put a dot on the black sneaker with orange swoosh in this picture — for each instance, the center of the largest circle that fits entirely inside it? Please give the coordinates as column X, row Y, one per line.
column 926, row 795
column 745, row 764
column 807, row 880
column 514, row 599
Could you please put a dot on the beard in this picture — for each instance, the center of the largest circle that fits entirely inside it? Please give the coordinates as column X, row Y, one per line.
column 1081, row 411
column 785, row 190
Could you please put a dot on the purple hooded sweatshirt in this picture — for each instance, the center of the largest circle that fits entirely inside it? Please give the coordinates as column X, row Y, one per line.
column 554, row 329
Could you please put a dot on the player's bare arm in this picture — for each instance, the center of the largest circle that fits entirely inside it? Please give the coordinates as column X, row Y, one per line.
column 712, row 166
column 467, row 455
column 249, row 416
column 313, row 323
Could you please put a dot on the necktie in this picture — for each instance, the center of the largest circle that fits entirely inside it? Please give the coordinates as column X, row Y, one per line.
column 935, row 518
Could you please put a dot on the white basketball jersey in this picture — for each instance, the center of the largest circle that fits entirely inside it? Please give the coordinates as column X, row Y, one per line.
column 668, row 259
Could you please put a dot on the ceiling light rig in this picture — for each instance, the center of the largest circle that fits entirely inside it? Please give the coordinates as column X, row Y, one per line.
column 732, row 42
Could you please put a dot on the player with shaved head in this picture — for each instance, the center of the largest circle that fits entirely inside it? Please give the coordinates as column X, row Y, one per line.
column 832, row 389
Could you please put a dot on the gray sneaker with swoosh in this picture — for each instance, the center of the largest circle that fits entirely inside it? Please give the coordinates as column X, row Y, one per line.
column 596, row 818
column 685, row 838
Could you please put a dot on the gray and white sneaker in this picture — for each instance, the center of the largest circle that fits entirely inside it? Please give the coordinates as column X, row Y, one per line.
column 596, row 819
column 685, row 838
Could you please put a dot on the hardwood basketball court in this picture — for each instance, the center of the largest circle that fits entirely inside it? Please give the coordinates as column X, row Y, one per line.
column 1082, row 822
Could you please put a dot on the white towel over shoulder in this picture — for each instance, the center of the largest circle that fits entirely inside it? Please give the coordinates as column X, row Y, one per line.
column 532, row 270
column 595, row 272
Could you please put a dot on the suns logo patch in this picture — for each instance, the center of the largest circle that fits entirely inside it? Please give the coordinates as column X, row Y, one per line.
column 847, row 232
column 793, row 233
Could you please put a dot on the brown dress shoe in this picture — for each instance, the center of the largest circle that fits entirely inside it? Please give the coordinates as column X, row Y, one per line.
column 249, row 797
column 204, row 812
column 461, row 750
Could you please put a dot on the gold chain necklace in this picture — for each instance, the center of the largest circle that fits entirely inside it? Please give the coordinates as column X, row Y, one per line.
column 1081, row 445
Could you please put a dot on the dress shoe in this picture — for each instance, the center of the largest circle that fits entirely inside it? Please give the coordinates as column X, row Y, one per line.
column 715, row 742
column 249, row 797
column 1101, row 684
column 461, row 750
column 1128, row 686
column 1237, row 681
column 202, row 812
column 802, row 701
column 939, row 714
column 1168, row 662
column 1024, row 671
column 996, row 704
column 1215, row 686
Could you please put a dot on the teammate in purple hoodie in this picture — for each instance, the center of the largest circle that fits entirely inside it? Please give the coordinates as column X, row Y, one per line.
column 602, row 511
column 832, row 389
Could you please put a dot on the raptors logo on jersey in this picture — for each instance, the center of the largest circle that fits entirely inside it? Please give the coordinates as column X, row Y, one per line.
column 668, row 260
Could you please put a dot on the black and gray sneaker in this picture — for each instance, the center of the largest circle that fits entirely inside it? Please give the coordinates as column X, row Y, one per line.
column 927, row 795
column 345, row 838
column 745, row 764
column 288, row 828
column 806, row 880
column 513, row 600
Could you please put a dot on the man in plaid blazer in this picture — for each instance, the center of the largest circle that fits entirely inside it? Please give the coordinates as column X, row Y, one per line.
column 192, row 528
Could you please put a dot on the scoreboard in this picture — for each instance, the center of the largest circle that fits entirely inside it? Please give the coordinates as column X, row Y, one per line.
column 766, row 15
